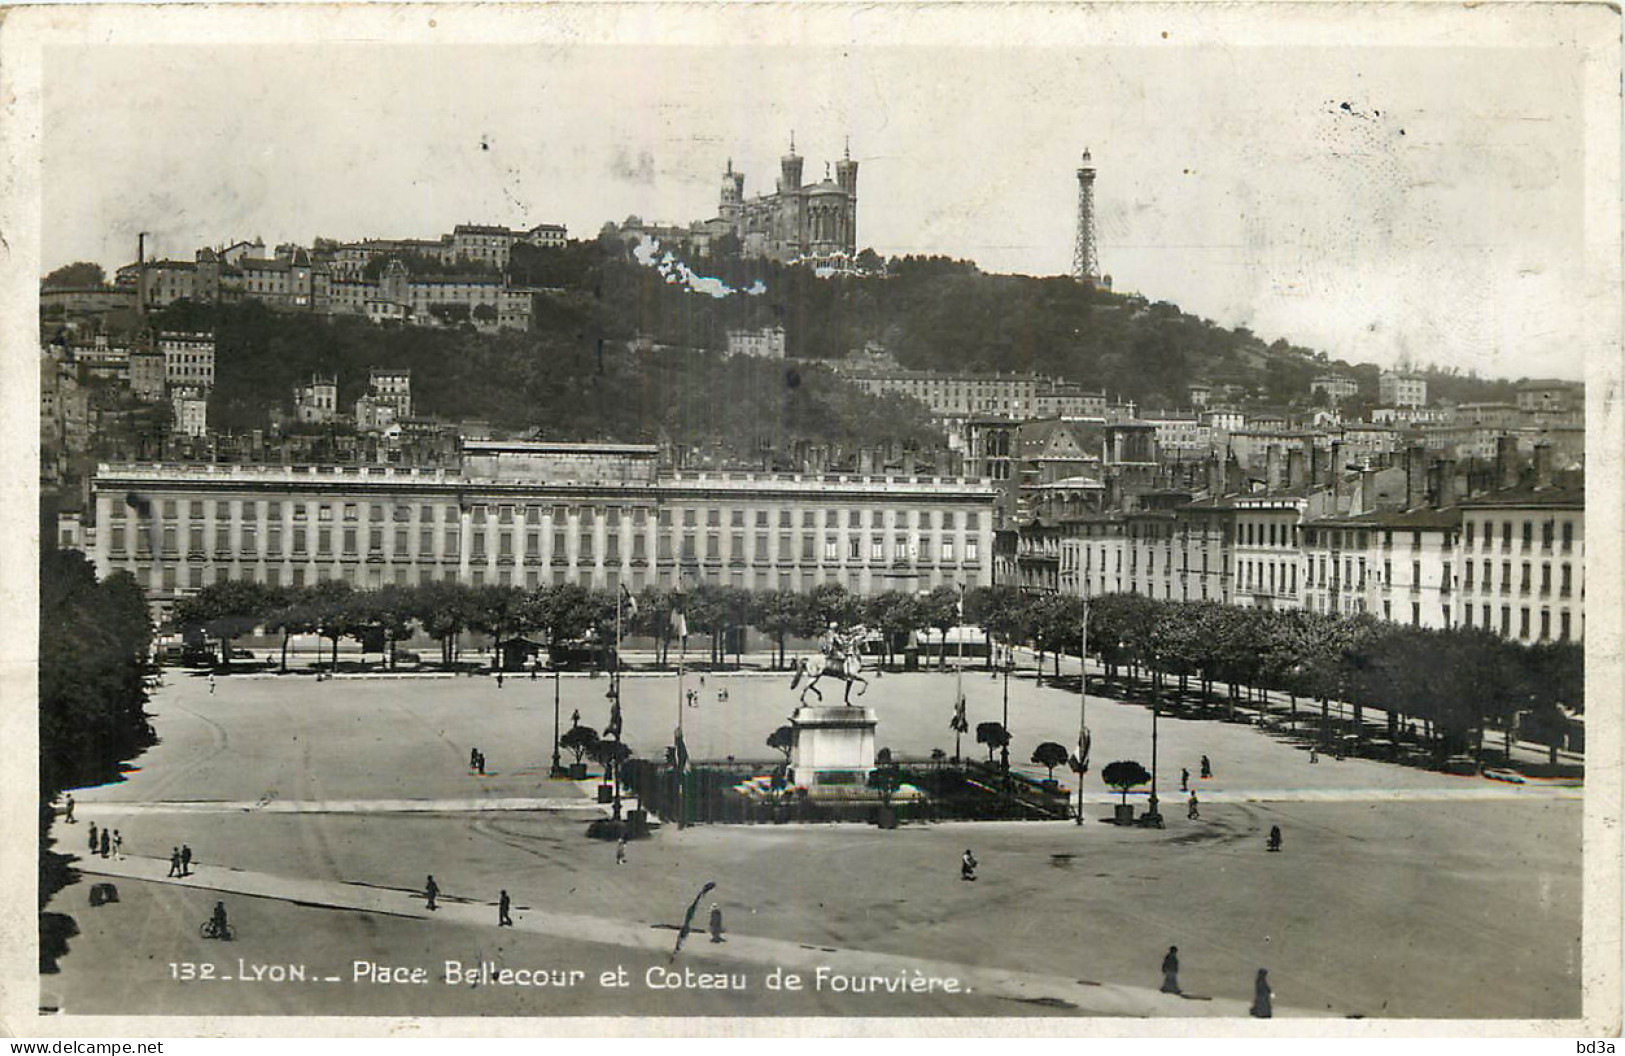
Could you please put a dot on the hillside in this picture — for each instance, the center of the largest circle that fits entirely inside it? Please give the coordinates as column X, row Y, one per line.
column 574, row 377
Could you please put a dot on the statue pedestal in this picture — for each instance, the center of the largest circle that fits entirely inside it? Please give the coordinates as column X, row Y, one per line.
column 834, row 747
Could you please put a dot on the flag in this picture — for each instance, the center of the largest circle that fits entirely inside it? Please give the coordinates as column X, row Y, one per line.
column 959, row 724
column 1080, row 761
column 631, row 603
column 693, row 907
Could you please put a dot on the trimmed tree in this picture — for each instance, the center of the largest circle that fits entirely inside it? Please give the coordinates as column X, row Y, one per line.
column 1124, row 775
column 994, row 735
column 579, row 741
column 1049, row 755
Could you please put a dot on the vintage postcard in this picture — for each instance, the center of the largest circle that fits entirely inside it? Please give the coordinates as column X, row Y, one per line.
column 714, row 518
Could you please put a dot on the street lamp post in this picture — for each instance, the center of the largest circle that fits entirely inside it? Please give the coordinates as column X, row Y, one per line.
column 1154, row 815
column 1004, row 751
column 558, row 771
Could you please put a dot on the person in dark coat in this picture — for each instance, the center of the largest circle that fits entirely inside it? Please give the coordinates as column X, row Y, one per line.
column 503, row 919
column 174, row 861
column 473, row 758
column 1263, row 1000
column 1170, row 971
column 1275, row 838
column 107, row 843
column 68, row 813
column 430, row 890
column 1184, row 779
column 94, row 843
column 967, row 866
column 1207, row 767
column 186, row 860
column 716, row 923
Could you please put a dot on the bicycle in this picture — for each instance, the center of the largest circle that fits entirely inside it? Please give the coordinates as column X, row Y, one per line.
column 214, row 929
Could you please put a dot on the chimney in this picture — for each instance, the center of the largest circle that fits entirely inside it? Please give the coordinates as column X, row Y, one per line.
column 1294, row 467
column 1543, row 465
column 1272, row 467
column 1368, row 492
column 1506, row 462
column 1445, row 493
column 1232, row 476
column 1416, row 477
column 1315, row 465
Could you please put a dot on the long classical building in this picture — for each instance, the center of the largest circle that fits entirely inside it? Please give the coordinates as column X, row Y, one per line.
column 527, row 514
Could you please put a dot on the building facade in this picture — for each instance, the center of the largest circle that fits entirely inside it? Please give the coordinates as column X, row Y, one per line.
column 1401, row 390
column 528, row 514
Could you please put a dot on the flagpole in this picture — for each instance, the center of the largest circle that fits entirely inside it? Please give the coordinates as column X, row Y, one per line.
column 1083, row 700
column 959, row 668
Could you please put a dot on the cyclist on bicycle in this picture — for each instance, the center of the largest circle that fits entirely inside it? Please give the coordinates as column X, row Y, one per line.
column 218, row 922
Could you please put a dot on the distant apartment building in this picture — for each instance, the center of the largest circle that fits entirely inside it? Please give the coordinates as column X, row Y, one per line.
column 1395, row 389
column 392, row 386
column 1399, row 565
column 1060, row 399
column 1551, row 396
column 765, row 343
column 1523, row 558
column 1335, row 386
column 191, row 406
column 188, row 359
column 148, row 368
column 1180, row 434
column 1199, row 393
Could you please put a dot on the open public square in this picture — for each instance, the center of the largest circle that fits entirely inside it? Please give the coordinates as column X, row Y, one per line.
column 316, row 810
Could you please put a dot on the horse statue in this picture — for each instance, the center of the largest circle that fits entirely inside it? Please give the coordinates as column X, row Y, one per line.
column 840, row 662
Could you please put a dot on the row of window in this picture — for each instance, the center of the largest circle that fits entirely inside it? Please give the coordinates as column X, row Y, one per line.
column 901, row 548
column 612, row 516
column 1526, row 535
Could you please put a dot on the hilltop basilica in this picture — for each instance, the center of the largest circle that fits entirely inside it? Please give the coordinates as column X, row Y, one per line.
column 814, row 221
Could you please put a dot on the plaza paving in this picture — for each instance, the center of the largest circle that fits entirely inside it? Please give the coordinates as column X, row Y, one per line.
column 316, row 810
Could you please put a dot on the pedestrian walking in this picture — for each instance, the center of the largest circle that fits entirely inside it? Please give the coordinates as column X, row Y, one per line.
column 620, row 852
column 186, row 860
column 1275, row 838
column 1184, row 779
column 1314, row 753
column 118, row 846
column 211, row 683
column 430, row 890
column 967, row 865
column 716, row 923
column 1192, row 812
column 174, row 861
column 107, row 843
column 480, row 764
column 503, row 920
column 499, row 678
column 68, row 813
column 1263, row 1000
column 473, row 758
column 1170, row 971
column 93, row 841
column 1207, row 768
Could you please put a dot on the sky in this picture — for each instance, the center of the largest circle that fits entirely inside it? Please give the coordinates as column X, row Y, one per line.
column 1387, row 204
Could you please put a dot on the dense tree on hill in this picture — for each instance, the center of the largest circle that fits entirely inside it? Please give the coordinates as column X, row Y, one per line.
column 81, row 274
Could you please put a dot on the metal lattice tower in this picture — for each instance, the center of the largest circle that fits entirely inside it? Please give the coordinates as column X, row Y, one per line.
column 1085, row 259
